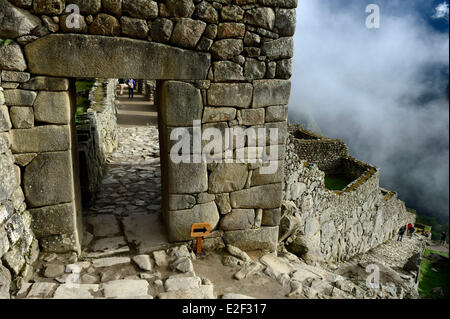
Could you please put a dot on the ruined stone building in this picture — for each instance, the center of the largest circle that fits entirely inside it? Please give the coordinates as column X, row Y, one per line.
column 218, row 63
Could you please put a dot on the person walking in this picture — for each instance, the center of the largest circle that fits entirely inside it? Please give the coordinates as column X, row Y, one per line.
column 443, row 238
column 401, row 232
column 122, row 85
column 411, row 231
column 131, row 85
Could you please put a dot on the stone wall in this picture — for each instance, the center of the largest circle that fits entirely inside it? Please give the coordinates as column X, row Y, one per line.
column 319, row 224
column 224, row 64
column 18, row 248
column 324, row 152
column 97, row 136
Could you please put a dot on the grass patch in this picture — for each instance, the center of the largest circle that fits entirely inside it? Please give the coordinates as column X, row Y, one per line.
column 433, row 274
column 336, row 181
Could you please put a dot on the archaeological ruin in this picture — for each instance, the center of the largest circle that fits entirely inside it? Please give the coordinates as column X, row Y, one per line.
column 220, row 64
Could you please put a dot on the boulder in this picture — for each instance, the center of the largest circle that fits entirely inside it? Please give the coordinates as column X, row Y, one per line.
column 187, row 32
column 264, row 238
column 181, row 104
column 238, row 219
column 16, row 22
column 105, row 24
column 180, row 221
column 53, row 220
column 261, row 17
column 21, row 117
column 230, row 94
column 88, row 6
column 180, row 8
column 19, row 97
column 134, row 27
column 227, row 48
column 47, row 138
column 227, row 177
column 52, row 107
column 265, row 196
column 144, row 9
column 47, row 180
column 271, row 92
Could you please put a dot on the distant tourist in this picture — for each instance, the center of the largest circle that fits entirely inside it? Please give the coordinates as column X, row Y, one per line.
column 401, row 232
column 411, row 231
column 443, row 238
column 122, row 85
column 131, row 85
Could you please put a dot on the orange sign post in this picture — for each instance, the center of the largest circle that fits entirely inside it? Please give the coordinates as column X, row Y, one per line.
column 199, row 231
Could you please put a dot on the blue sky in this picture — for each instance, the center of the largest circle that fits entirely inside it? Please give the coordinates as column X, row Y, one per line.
column 380, row 90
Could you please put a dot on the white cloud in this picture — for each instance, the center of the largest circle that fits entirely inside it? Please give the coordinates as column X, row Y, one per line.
column 362, row 86
column 441, row 11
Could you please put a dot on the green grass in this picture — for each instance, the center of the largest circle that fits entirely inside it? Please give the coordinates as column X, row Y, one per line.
column 430, row 279
column 83, row 85
column 336, row 181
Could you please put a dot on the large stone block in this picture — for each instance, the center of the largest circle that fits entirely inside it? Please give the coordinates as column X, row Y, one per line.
column 180, row 221
column 134, row 27
column 266, row 196
column 5, row 121
column 8, row 182
column 161, row 30
column 5, row 282
column 187, row 178
column 230, row 94
column 46, row 83
column 181, row 103
column 282, row 48
column 264, row 238
column 113, row 57
column 87, row 6
column 60, row 243
column 238, row 219
column 271, row 92
column 227, row 71
column 187, row 32
column 261, row 17
column 4, row 242
column 48, row 180
column 227, row 48
column 52, row 107
column 15, row 22
column 180, row 202
column 53, row 220
column 38, row 139
column 14, row 76
column 285, row 21
column 22, row 117
column 113, row 7
column 105, row 24
column 48, row 6
column 19, row 97
column 276, row 113
column 271, row 217
column 145, row 9
column 11, row 58
column 218, row 114
column 227, row 177
column 206, row 12
column 180, row 8
column 259, row 177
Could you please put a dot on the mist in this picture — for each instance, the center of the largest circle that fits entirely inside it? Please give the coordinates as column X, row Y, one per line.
column 383, row 91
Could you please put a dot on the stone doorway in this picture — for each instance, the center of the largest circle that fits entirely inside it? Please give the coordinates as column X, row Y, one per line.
column 126, row 214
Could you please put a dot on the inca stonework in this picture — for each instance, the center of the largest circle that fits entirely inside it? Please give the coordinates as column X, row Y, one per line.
column 327, row 225
column 224, row 63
